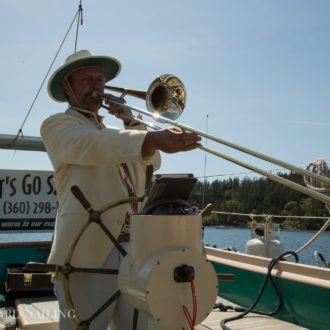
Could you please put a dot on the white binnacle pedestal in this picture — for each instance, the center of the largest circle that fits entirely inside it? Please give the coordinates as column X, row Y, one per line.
column 158, row 245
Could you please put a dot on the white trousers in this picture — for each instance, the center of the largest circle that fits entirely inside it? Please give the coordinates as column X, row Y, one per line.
column 89, row 292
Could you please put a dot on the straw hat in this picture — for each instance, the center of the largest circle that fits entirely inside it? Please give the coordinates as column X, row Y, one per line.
column 81, row 58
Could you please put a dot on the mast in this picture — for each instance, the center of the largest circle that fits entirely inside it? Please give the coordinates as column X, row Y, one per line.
column 28, row 143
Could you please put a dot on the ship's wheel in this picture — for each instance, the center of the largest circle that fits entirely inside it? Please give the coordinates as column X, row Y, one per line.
column 94, row 216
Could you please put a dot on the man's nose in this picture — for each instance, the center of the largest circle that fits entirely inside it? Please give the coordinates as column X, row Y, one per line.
column 98, row 85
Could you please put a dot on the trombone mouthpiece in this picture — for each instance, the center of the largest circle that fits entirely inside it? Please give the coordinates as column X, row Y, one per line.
column 95, row 95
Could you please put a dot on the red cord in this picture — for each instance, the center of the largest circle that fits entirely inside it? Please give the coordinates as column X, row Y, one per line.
column 194, row 301
column 191, row 319
column 188, row 317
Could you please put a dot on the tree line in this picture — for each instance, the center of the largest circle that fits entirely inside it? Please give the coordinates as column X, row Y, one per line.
column 258, row 196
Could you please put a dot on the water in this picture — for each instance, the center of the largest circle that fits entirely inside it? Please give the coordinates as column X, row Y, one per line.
column 292, row 240
column 25, row 237
column 223, row 238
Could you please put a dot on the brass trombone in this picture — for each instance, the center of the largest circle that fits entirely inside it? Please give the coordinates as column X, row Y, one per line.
column 165, row 100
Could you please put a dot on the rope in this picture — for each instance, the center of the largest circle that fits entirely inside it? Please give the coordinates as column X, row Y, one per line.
column 319, row 167
column 20, row 131
column 323, row 228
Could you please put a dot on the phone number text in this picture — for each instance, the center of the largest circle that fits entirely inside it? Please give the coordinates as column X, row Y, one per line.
column 28, row 208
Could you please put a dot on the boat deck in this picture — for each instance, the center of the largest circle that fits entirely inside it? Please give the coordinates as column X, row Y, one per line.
column 250, row 322
column 28, row 320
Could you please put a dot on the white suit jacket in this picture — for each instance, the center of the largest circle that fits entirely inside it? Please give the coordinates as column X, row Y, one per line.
column 85, row 153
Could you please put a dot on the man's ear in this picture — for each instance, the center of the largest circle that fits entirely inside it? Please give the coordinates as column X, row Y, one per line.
column 66, row 87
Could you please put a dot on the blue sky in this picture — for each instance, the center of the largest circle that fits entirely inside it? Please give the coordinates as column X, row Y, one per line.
column 258, row 68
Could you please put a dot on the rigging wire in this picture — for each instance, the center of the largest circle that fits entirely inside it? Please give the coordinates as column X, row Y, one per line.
column 77, row 14
column 246, row 172
column 205, row 161
column 273, row 216
column 80, row 18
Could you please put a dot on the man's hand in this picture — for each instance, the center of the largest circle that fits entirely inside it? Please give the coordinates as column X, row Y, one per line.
column 170, row 141
column 117, row 110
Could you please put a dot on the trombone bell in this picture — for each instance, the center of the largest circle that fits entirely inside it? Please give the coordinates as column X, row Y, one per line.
column 165, row 97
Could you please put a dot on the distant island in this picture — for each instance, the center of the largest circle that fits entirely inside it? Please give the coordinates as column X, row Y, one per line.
column 258, row 196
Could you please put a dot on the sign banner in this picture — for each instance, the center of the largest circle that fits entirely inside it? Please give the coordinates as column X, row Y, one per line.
column 27, row 200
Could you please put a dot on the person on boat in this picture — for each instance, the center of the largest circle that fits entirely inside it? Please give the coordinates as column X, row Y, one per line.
column 107, row 164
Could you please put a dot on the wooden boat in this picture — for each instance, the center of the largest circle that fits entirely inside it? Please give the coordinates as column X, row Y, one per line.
column 305, row 289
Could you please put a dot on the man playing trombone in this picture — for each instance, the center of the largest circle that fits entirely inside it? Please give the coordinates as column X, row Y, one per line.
column 107, row 164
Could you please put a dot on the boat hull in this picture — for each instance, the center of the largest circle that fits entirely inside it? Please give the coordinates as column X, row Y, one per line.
column 305, row 289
